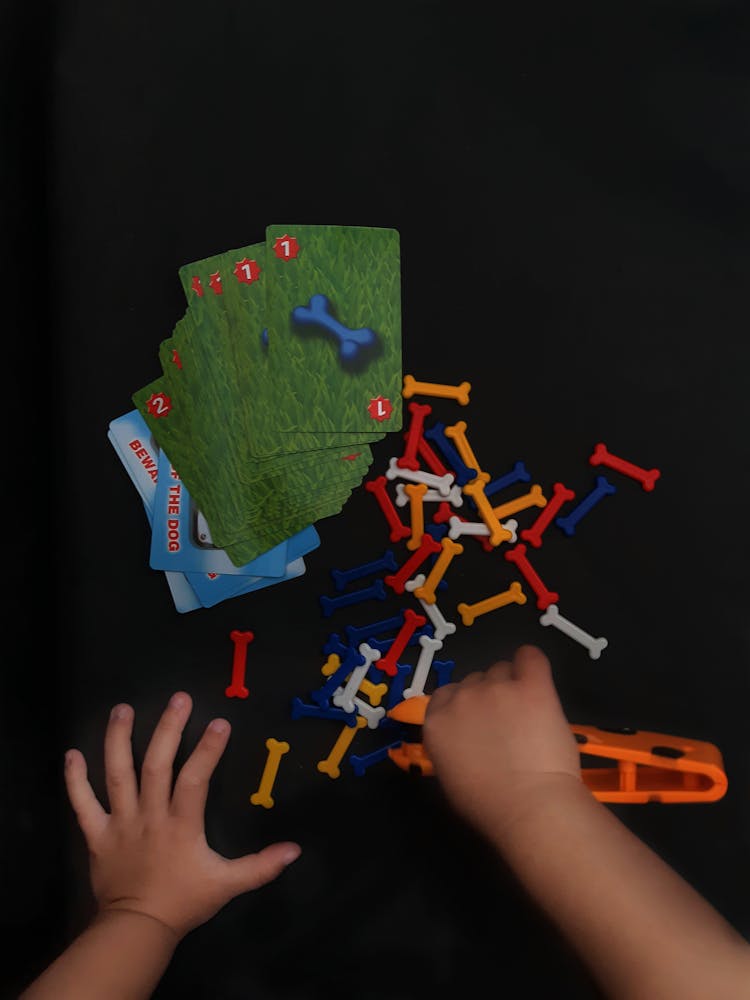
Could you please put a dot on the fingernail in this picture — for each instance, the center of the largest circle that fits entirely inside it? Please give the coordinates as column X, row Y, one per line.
column 219, row 726
column 119, row 712
column 291, row 854
column 68, row 758
column 177, row 701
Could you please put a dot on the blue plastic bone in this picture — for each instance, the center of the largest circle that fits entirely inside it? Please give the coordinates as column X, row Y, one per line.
column 350, row 342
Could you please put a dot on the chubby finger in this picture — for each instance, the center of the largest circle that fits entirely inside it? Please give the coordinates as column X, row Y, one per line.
column 89, row 811
column 191, row 788
column 475, row 677
column 156, row 772
column 500, row 671
column 255, row 870
column 440, row 697
column 531, row 666
column 119, row 773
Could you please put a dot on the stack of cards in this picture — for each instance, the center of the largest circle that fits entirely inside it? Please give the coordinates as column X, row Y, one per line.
column 284, row 369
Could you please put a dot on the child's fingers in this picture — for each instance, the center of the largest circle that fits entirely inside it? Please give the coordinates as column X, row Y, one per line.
column 89, row 811
column 191, row 787
column 531, row 666
column 156, row 772
column 255, row 870
column 122, row 786
column 500, row 671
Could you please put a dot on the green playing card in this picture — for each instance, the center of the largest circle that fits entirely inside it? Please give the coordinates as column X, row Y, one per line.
column 222, row 342
column 333, row 315
column 268, row 412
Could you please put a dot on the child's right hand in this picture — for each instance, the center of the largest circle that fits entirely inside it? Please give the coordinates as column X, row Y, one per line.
column 499, row 741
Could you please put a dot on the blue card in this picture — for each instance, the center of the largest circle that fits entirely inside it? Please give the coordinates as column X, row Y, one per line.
column 142, row 459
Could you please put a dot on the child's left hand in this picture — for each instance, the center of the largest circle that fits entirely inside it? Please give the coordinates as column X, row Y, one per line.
column 149, row 853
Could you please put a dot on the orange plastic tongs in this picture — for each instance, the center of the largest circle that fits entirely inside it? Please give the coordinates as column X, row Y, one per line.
column 636, row 766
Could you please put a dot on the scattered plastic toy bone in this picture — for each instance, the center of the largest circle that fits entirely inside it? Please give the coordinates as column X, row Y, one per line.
column 450, row 549
column 552, row 616
column 379, row 489
column 544, row 596
column 409, row 458
column 455, row 496
column 415, row 492
column 646, row 477
column 276, row 750
column 375, row 692
column 300, row 710
column 344, row 697
column 427, row 547
column 498, row 533
column 457, row 434
column 370, row 713
column 343, row 577
column 440, row 627
column 534, row 498
column 330, row 765
column 426, row 655
column 560, row 495
column 411, row 622
column 414, row 388
column 470, row 612
column 350, row 342
column 241, row 641
column 478, row 529
column 430, row 458
column 441, row 483
column 462, row 472
column 375, row 592
column 518, row 474
column 322, row 695
column 603, row 488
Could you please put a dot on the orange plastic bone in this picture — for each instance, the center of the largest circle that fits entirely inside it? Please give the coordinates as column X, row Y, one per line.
column 458, row 392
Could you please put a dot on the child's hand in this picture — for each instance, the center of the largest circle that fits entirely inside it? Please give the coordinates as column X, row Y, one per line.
column 149, row 853
column 499, row 737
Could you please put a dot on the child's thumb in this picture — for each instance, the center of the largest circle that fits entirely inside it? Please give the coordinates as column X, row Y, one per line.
column 255, row 870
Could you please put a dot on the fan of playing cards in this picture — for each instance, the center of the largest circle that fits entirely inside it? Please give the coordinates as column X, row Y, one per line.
column 285, row 367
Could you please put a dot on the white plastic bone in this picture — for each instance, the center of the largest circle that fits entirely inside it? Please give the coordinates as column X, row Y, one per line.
column 429, row 647
column 441, row 627
column 371, row 714
column 455, row 496
column 344, row 697
column 459, row 527
column 552, row 616
column 440, row 483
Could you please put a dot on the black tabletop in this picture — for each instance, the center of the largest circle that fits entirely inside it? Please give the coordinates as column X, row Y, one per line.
column 570, row 188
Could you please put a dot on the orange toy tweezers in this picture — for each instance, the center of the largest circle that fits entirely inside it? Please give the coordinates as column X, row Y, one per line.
column 646, row 766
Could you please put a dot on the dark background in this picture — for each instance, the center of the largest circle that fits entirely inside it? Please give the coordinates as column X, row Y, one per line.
column 571, row 188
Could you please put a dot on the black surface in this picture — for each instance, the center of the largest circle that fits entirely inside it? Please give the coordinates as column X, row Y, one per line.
column 571, row 190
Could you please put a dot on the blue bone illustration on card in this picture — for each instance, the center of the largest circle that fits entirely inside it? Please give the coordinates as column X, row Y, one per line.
column 355, row 346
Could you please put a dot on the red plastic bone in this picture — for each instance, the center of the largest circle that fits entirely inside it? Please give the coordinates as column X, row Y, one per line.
column 389, row 662
column 646, row 477
column 430, row 456
column 379, row 488
column 561, row 494
column 545, row 597
column 428, row 546
column 241, row 641
column 409, row 458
